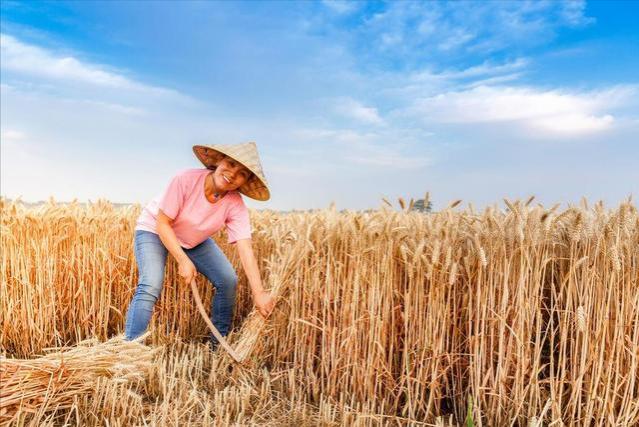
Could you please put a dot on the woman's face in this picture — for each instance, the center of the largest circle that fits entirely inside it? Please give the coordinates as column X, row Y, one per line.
column 230, row 175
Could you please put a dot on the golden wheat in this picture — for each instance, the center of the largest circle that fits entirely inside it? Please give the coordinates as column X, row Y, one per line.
column 532, row 314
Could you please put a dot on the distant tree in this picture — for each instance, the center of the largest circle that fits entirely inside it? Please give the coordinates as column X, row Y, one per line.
column 419, row 206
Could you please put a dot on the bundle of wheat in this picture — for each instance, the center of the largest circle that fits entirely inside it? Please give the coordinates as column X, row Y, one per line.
column 54, row 381
column 280, row 266
column 286, row 260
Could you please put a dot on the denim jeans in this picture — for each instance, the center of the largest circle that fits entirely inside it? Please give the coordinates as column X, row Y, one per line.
column 150, row 254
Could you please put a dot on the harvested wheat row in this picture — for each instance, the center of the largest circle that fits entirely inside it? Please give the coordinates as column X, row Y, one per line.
column 58, row 379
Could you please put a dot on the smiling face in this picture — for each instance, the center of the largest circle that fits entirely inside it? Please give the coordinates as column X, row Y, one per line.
column 230, row 175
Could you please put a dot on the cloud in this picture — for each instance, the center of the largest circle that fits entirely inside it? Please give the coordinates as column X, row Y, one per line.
column 35, row 61
column 572, row 124
column 494, row 80
column 381, row 155
column 404, row 88
column 404, row 95
column 456, row 39
column 350, row 108
column 553, row 112
column 573, row 13
column 397, row 148
column 11, row 135
column 486, row 68
column 415, row 32
column 115, row 107
column 341, row 6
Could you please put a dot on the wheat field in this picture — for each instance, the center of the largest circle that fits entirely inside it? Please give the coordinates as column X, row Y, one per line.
column 517, row 315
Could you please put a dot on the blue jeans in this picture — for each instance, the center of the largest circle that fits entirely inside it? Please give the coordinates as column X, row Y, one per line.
column 150, row 254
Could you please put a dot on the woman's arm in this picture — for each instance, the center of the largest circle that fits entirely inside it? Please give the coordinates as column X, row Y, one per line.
column 264, row 302
column 164, row 227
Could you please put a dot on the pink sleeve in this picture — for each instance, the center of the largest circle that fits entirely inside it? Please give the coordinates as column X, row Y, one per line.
column 173, row 198
column 238, row 224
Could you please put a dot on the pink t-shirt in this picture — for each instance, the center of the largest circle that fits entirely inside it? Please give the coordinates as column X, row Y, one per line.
column 195, row 218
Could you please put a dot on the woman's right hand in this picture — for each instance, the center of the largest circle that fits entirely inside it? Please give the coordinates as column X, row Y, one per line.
column 264, row 302
column 187, row 271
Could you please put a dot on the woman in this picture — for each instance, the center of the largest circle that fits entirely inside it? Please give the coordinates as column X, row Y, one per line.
column 196, row 204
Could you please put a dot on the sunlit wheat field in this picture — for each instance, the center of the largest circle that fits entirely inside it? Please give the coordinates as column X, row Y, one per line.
column 519, row 314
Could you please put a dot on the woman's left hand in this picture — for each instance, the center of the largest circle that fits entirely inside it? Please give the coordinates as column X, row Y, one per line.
column 264, row 302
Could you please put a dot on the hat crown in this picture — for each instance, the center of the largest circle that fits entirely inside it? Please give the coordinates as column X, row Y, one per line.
column 246, row 154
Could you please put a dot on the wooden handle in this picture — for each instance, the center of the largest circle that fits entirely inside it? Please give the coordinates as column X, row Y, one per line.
column 216, row 333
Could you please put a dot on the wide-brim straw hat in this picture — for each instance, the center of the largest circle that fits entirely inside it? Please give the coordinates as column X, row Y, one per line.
column 246, row 154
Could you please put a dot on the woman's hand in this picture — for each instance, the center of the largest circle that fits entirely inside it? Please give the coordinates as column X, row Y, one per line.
column 187, row 270
column 264, row 302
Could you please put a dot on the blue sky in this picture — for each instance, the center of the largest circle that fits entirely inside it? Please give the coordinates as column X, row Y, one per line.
column 348, row 101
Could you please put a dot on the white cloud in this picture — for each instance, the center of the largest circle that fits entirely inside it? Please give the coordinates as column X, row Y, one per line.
column 354, row 109
column 456, row 39
column 117, row 108
column 11, row 135
column 407, row 87
column 341, row 6
column 573, row 13
column 486, row 68
column 35, row 61
column 394, row 148
column 140, row 139
column 390, row 40
column 552, row 112
column 416, row 31
column 378, row 155
column 491, row 81
column 572, row 124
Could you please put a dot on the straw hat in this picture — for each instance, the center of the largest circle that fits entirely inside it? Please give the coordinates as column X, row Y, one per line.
column 246, row 154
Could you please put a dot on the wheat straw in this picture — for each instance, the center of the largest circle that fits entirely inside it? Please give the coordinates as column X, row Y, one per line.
column 383, row 317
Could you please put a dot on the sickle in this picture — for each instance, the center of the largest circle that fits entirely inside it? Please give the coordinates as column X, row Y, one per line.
column 216, row 333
